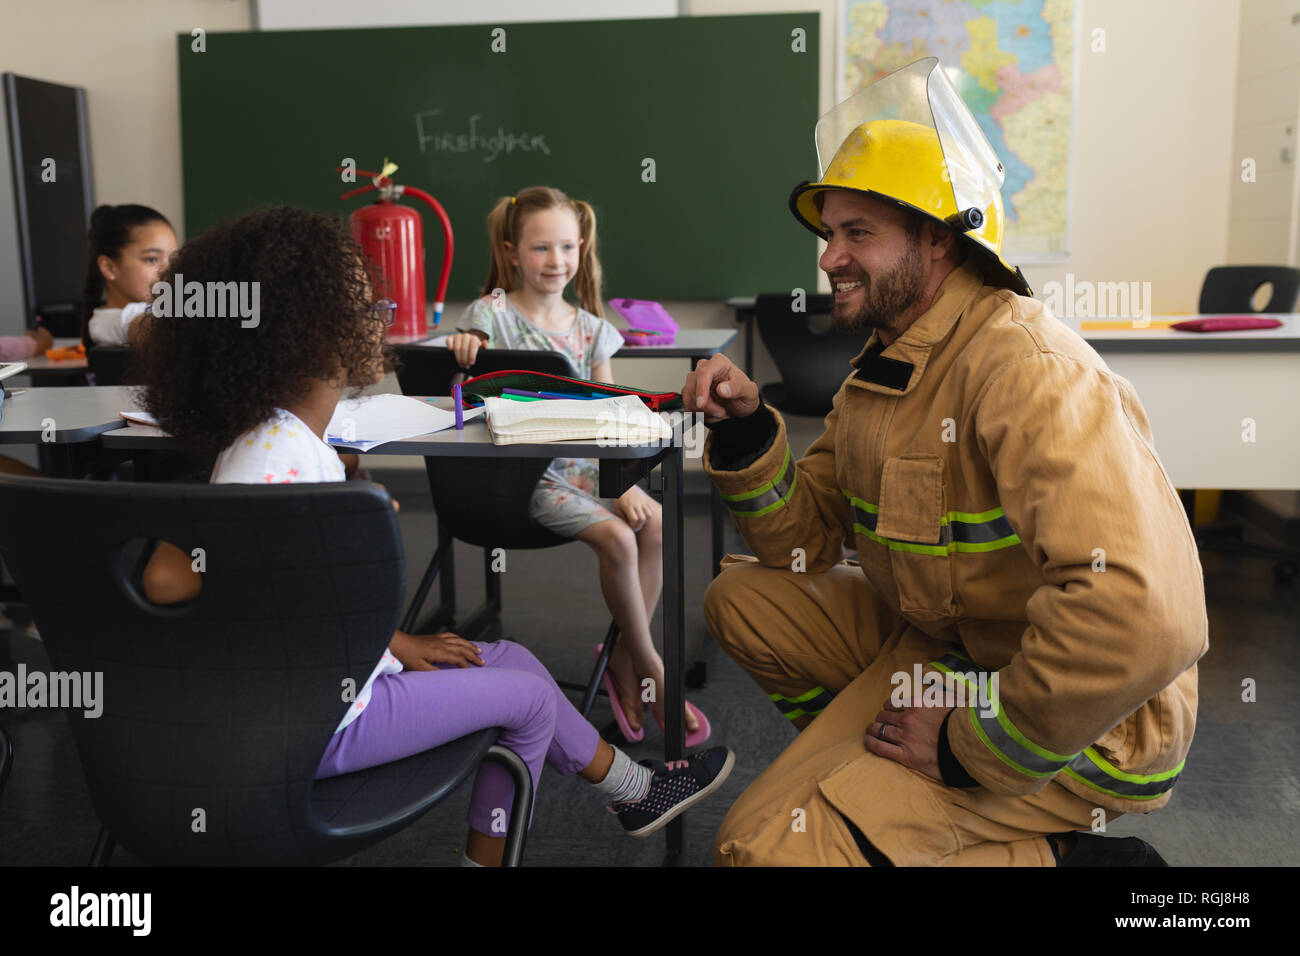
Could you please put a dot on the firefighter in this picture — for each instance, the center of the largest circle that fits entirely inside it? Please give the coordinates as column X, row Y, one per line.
column 1019, row 549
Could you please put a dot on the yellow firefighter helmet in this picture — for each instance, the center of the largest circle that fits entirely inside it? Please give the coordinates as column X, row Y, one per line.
column 908, row 138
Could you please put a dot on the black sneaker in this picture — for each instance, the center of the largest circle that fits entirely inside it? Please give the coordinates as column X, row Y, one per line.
column 674, row 788
column 1093, row 849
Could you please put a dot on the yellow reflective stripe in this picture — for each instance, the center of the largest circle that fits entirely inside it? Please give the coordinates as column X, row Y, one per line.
column 1089, row 767
column 813, row 702
column 1005, row 741
column 765, row 486
column 768, row 496
column 1093, row 770
column 960, row 531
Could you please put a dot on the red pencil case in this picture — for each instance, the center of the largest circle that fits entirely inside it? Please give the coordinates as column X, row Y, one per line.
column 492, row 384
column 1226, row 323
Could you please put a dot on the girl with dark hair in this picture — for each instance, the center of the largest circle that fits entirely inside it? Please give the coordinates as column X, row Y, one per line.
column 262, row 395
column 129, row 246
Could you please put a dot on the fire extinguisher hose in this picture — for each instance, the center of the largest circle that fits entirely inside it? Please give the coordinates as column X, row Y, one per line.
column 449, row 245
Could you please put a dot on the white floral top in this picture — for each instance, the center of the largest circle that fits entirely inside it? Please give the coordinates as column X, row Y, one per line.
column 565, row 500
column 284, row 451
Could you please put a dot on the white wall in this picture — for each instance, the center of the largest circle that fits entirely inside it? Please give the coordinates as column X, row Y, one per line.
column 1264, row 215
column 311, row 14
column 124, row 53
column 1262, row 220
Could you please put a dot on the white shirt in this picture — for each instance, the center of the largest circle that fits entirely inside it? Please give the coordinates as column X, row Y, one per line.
column 109, row 326
column 284, row 451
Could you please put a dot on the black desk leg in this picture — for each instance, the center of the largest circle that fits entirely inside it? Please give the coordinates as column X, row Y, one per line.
column 717, row 511
column 674, row 695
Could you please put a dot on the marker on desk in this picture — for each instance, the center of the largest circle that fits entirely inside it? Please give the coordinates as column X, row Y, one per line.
column 455, row 400
column 525, row 394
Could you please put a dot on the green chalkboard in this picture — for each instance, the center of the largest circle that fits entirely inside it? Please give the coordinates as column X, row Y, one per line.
column 724, row 106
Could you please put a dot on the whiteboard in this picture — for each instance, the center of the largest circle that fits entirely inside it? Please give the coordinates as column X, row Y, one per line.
column 325, row 14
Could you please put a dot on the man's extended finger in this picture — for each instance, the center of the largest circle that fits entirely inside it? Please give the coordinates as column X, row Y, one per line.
column 706, row 374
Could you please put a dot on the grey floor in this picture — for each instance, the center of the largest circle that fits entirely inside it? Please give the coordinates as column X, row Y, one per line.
column 1238, row 801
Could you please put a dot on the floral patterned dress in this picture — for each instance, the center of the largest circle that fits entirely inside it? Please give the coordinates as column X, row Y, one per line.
column 565, row 500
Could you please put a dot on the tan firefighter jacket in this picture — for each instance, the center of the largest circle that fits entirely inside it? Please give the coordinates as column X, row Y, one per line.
column 1000, row 487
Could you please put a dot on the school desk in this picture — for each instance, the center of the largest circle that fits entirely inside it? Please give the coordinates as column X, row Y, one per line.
column 63, row 422
column 43, row 371
column 1224, row 407
column 693, row 344
column 620, row 466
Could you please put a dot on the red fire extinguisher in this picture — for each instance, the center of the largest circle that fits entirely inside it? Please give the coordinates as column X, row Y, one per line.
column 392, row 235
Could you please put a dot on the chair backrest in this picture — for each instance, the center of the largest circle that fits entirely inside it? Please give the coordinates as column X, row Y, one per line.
column 108, row 364
column 482, row 501
column 810, row 353
column 1230, row 289
column 215, row 713
column 431, row 369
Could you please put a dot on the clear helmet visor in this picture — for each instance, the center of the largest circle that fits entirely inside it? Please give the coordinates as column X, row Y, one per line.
column 922, row 93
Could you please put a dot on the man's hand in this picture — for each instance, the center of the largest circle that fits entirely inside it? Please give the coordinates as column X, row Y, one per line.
column 910, row 736
column 720, row 390
column 427, row 652
column 636, row 507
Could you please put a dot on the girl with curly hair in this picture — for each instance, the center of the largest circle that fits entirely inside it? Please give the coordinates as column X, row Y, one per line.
column 261, row 394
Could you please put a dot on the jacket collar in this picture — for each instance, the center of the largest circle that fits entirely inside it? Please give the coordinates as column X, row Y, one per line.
column 895, row 370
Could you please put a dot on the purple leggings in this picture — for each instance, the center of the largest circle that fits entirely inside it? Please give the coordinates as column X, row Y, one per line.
column 417, row 710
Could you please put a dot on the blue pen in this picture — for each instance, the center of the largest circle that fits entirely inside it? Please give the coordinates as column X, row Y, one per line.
column 587, row 397
column 526, row 394
column 455, row 400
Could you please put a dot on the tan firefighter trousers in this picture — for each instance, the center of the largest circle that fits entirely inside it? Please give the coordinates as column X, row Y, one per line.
column 808, row 638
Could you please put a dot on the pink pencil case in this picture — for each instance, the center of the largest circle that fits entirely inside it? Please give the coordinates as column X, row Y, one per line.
column 649, row 323
column 1226, row 323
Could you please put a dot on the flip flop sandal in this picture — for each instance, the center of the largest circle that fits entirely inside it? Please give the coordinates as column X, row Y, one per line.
column 700, row 735
column 616, row 704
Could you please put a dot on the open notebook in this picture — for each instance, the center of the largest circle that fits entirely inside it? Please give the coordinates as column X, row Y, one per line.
column 621, row 420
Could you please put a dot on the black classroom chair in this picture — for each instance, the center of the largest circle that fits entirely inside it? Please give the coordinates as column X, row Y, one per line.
column 6, row 759
column 810, row 353
column 1230, row 289
column 302, row 590
column 107, row 363
column 483, row 501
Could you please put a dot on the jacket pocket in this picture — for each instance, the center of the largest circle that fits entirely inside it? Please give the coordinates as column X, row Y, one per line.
column 911, row 520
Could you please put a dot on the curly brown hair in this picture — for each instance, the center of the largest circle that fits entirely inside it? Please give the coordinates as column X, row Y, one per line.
column 208, row 379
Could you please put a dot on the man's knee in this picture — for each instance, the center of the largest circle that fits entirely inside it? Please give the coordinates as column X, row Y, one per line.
column 728, row 600
column 720, row 602
column 801, row 830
